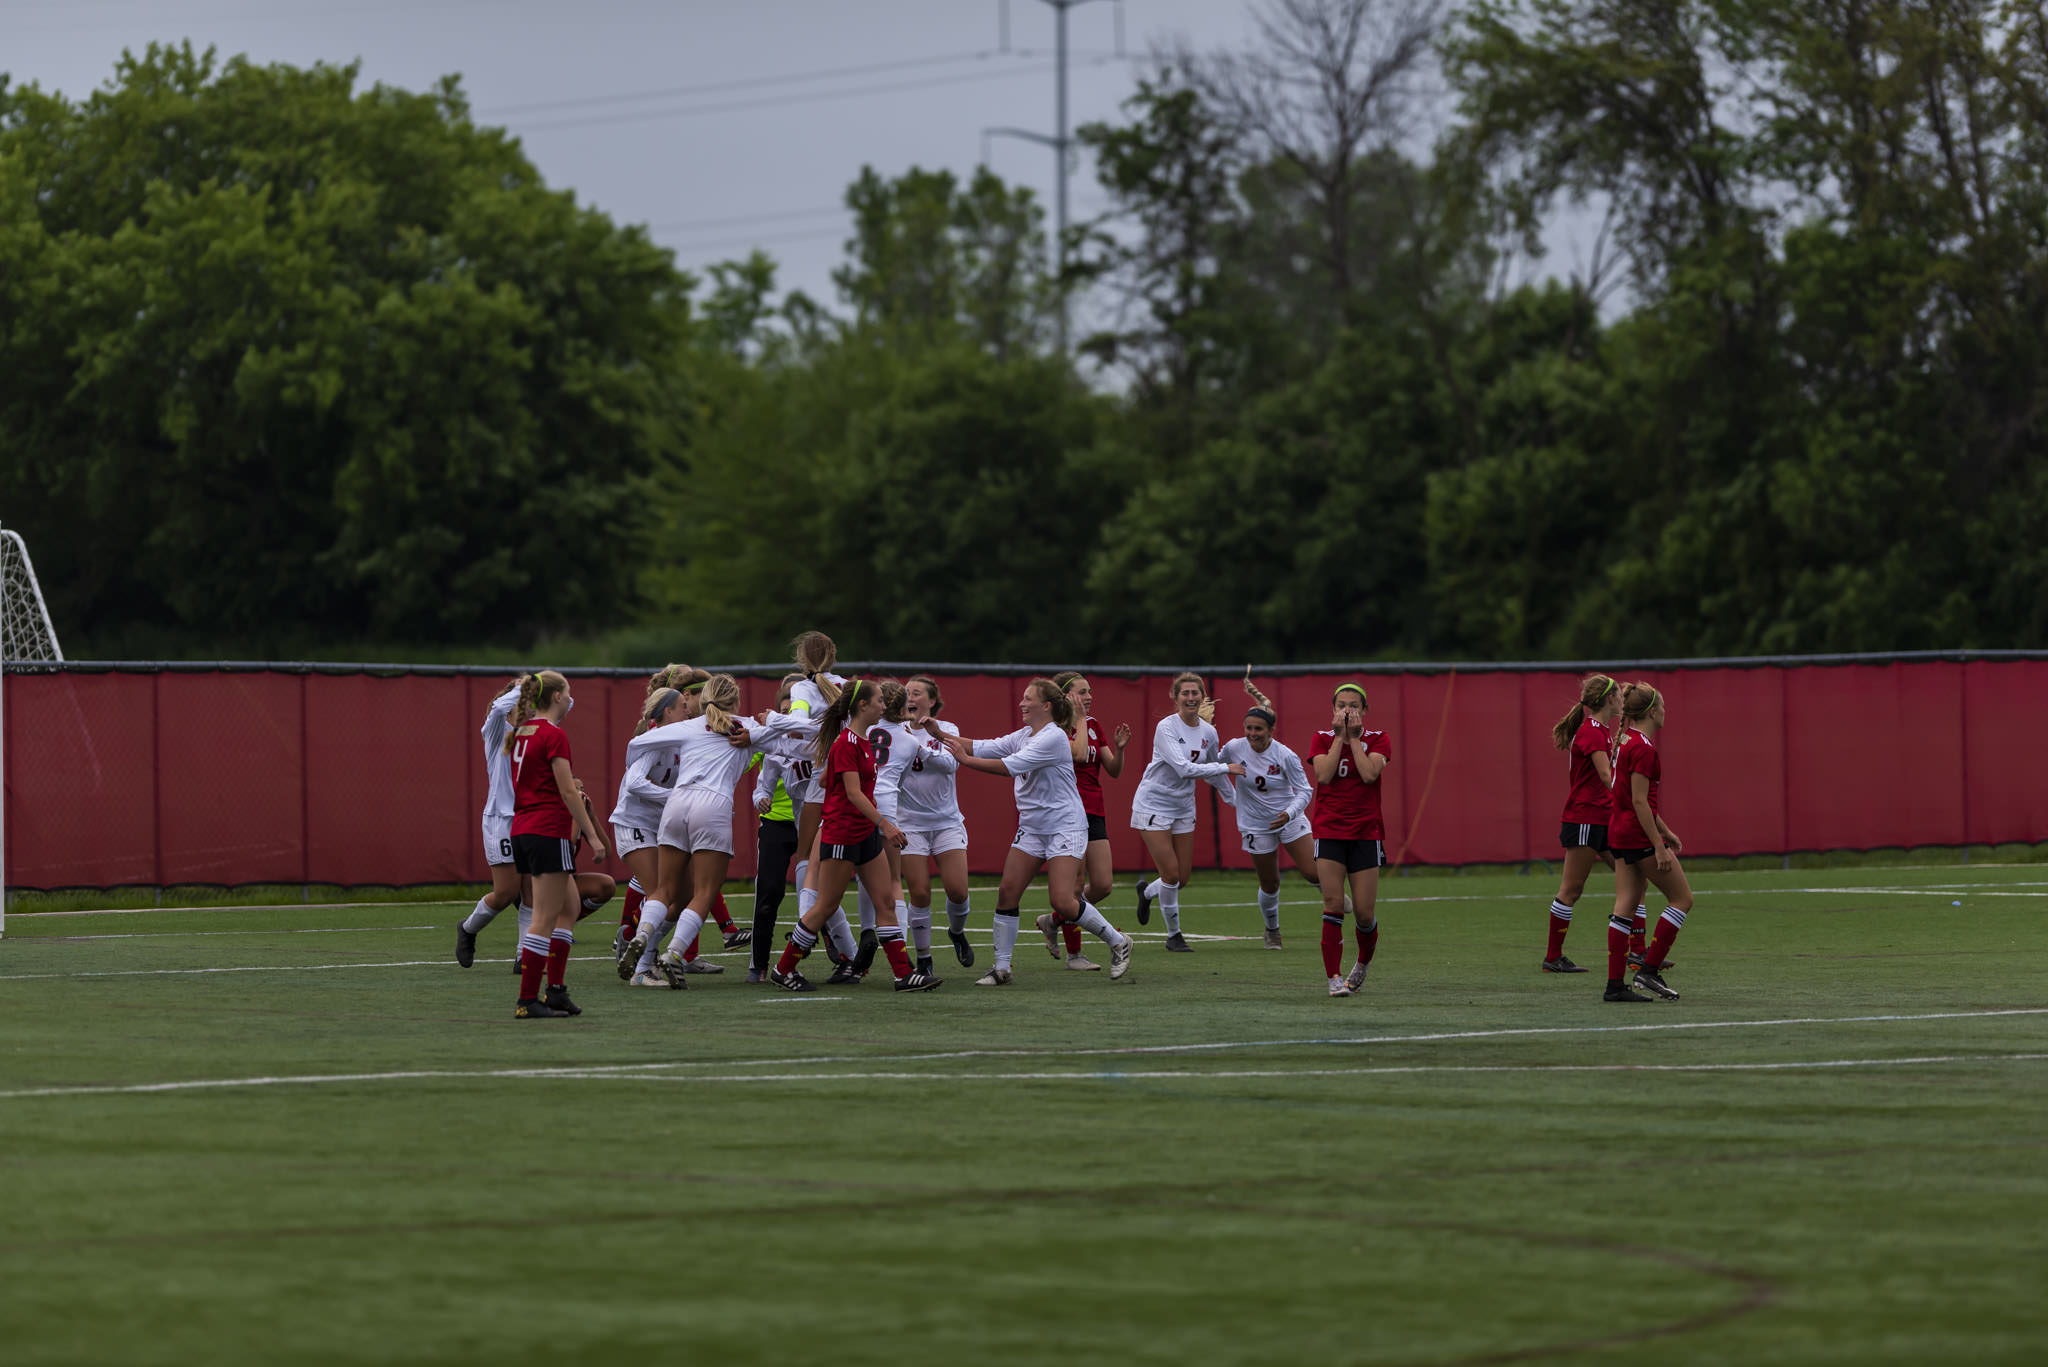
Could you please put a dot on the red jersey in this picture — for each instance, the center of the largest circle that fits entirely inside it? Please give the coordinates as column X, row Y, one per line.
column 537, row 807
column 1347, row 807
column 1638, row 756
column 841, row 823
column 1088, row 772
column 1589, row 801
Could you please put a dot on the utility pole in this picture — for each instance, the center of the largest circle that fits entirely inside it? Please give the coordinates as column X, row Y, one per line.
column 1059, row 142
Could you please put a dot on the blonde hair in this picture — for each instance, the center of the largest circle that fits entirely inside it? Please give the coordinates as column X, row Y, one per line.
column 1637, row 700
column 669, row 676
column 719, row 702
column 1055, row 697
column 815, row 655
column 536, row 692
column 656, row 703
column 1594, row 691
column 931, row 686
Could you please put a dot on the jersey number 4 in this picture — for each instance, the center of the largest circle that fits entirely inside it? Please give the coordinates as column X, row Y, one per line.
column 518, row 755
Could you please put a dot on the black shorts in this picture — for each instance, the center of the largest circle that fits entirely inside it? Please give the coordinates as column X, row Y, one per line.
column 1098, row 829
column 1579, row 835
column 855, row 855
column 1634, row 856
column 532, row 854
column 1354, row 855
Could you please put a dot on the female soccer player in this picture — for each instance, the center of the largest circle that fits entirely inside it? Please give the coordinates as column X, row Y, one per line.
column 548, row 809
column 893, row 746
column 1052, row 827
column 506, row 884
column 1350, row 832
column 852, row 833
column 1096, row 752
column 696, row 834
column 1273, row 800
column 643, row 791
column 815, row 654
column 1184, row 748
column 934, row 832
column 1645, row 849
column 777, row 778
column 1586, row 734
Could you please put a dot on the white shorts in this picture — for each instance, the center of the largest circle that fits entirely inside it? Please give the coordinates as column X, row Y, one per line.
column 497, row 840
column 1067, row 844
column 942, row 841
column 1269, row 842
column 1178, row 823
column 698, row 819
column 814, row 790
column 627, row 839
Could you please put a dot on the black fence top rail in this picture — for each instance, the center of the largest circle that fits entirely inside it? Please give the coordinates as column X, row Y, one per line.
column 902, row 667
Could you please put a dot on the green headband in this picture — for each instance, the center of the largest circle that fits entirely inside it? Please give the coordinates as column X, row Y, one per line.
column 853, row 692
column 697, row 687
column 1352, row 688
column 1611, row 686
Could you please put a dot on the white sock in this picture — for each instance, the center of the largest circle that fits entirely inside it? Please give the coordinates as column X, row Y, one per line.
column 653, row 916
column 1006, row 937
column 867, row 910
column 798, row 881
column 1152, row 888
column 1169, row 906
column 687, row 926
column 525, row 919
column 956, row 914
column 481, row 917
column 1096, row 924
column 842, row 935
column 1269, row 907
column 805, row 900
column 920, row 921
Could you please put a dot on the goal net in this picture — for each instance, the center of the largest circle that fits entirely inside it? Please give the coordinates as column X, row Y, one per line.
column 26, row 636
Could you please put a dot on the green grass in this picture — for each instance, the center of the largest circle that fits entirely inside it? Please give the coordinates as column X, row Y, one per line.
column 1467, row 1162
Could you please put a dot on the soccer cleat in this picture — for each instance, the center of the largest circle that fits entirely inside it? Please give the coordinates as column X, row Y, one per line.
column 672, row 969
column 917, row 982
column 532, row 1008
column 864, row 953
column 1178, row 945
column 1339, row 987
column 924, row 964
column 995, row 977
column 649, row 979
column 792, row 981
column 1120, row 958
column 517, row 969
column 1654, row 981
column 1049, row 927
column 757, row 975
column 962, row 951
column 629, row 957
column 1561, row 965
column 619, row 940
column 844, row 974
column 1081, row 963
column 465, row 946
column 1636, row 960
column 558, row 1000
column 1618, row 991
column 1144, row 904
column 702, row 966
column 1273, row 938
column 738, row 939
column 1357, row 975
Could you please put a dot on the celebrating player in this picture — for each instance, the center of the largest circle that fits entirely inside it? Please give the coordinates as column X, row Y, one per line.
column 1350, row 832
column 1273, row 799
column 1184, row 749
column 506, row 884
column 1096, row 752
column 934, row 832
column 777, row 788
column 1645, row 849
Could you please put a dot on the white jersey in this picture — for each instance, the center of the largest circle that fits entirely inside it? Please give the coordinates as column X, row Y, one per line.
column 895, row 745
column 1274, row 784
column 929, row 799
column 1048, row 803
column 1181, row 756
column 806, row 699
column 711, row 761
column 651, row 766
column 498, row 800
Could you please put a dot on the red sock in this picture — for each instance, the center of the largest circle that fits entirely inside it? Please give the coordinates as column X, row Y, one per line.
column 1642, row 926
column 690, row 954
column 1368, row 941
column 792, row 954
column 719, row 913
column 558, row 959
column 1617, row 950
column 899, row 957
column 531, row 967
column 1072, row 932
column 1333, row 946
column 1558, row 926
column 1661, row 945
column 630, row 916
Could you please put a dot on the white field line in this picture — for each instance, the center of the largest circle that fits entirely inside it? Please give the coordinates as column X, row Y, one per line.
column 644, row 1071
column 1097, row 1075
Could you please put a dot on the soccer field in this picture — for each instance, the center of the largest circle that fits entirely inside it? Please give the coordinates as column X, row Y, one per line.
column 303, row 1134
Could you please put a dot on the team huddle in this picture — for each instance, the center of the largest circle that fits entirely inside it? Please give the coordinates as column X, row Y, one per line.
column 855, row 780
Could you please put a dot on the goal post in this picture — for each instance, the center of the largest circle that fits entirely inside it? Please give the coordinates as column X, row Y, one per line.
column 26, row 635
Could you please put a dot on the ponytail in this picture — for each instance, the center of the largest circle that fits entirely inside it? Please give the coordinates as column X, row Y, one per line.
column 815, row 654
column 1637, row 701
column 1260, row 702
column 536, row 691
column 1594, row 691
column 720, row 700
column 1055, row 697
column 834, row 720
column 893, row 697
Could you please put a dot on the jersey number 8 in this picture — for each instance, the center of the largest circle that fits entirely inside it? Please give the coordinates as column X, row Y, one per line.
column 880, row 739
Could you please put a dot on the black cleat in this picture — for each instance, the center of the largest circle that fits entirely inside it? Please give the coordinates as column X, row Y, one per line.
column 1561, row 965
column 629, row 957
column 558, row 1002
column 1618, row 991
column 844, row 975
column 1178, row 945
column 917, row 982
column 792, row 981
column 532, row 1008
column 924, row 964
column 1636, row 960
column 517, row 969
column 864, row 953
column 962, row 951
column 738, row 939
column 1654, row 981
column 1144, row 904
column 465, row 946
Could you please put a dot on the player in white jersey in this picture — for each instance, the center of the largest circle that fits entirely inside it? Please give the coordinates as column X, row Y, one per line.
column 928, row 811
column 506, row 883
column 1097, row 751
column 815, row 654
column 1052, row 825
column 696, row 832
column 1272, row 806
column 895, row 746
column 643, row 791
column 1184, row 753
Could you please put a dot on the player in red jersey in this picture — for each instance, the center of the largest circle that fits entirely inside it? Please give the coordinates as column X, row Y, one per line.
column 1586, row 734
column 1645, row 849
column 1351, row 837
column 1097, row 751
column 548, row 811
column 851, row 834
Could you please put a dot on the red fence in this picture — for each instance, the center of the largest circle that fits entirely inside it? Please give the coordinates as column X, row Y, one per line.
column 228, row 777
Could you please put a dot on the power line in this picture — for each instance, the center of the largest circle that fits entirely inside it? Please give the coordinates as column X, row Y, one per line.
column 741, row 220
column 746, row 83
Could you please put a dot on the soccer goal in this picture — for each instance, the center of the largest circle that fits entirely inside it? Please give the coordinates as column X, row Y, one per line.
column 26, row 635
